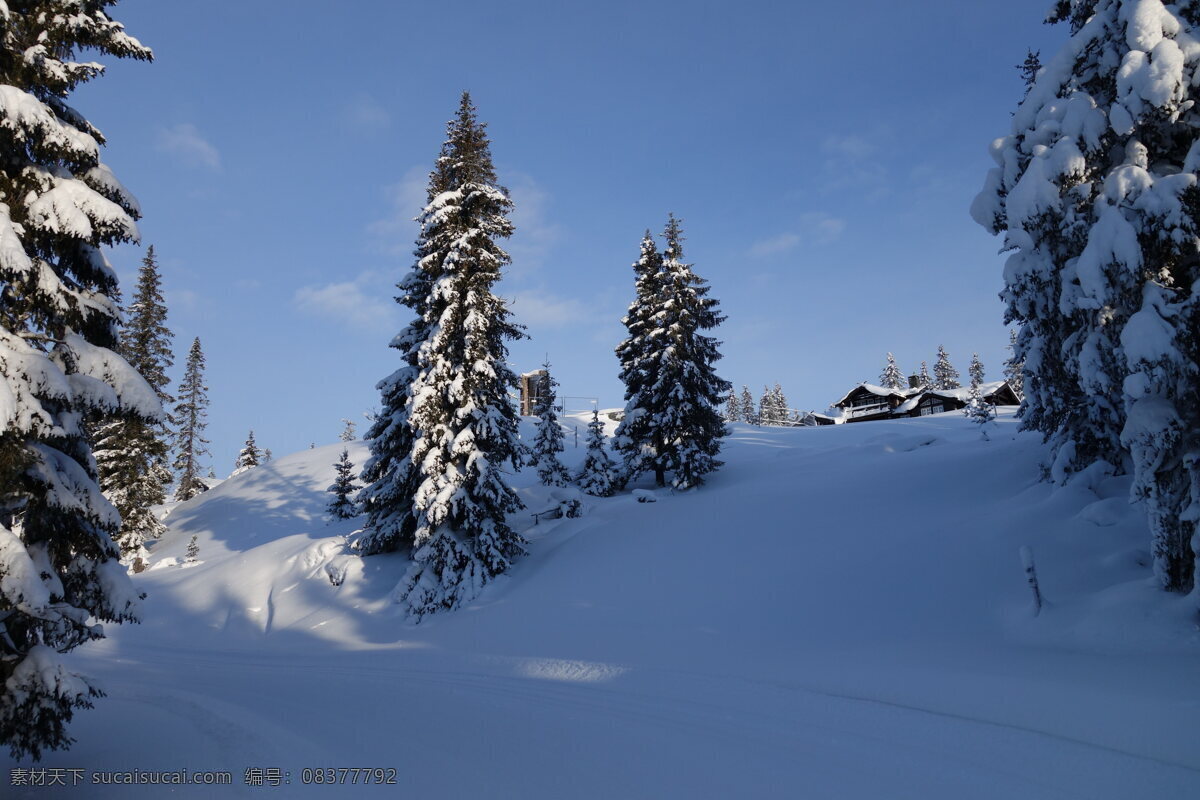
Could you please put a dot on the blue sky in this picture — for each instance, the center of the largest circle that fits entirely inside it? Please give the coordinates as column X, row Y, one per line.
column 822, row 157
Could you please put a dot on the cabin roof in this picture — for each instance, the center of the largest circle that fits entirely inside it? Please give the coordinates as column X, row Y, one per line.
column 871, row 388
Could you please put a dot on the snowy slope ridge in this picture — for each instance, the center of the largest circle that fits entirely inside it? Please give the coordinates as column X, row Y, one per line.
column 839, row 613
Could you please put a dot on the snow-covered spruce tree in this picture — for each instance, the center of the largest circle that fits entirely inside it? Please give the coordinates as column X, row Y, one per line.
column 464, row 426
column 599, row 475
column 635, row 354
column 892, row 377
column 548, row 442
column 749, row 413
column 923, row 379
column 945, row 376
column 975, row 371
column 343, row 488
column 349, row 433
column 59, row 568
column 132, row 455
column 768, row 414
column 193, row 550
column 978, row 410
column 267, row 455
column 191, row 415
column 1096, row 195
column 733, row 408
column 672, row 423
column 390, row 476
column 781, row 405
column 248, row 457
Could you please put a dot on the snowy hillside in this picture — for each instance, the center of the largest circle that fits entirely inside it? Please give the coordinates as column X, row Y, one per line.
column 839, row 613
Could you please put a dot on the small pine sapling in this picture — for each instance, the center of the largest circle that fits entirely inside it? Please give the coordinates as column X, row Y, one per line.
column 979, row 411
column 193, row 550
column 599, row 476
column 344, row 488
column 249, row 457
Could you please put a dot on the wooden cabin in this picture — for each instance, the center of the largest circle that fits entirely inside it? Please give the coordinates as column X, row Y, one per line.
column 867, row 401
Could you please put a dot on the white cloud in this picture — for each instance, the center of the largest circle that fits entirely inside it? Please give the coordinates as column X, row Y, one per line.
column 775, row 245
column 397, row 230
column 185, row 141
column 535, row 235
column 365, row 303
column 365, row 114
column 820, row 227
column 813, row 228
column 852, row 146
column 543, row 309
column 853, row 160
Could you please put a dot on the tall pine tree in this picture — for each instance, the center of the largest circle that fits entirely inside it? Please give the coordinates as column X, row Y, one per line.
column 975, row 371
column 132, row 455
column 59, row 568
column 548, row 442
column 781, row 405
column 672, row 423
column 634, row 355
column 390, row 476
column 1095, row 192
column 892, row 377
column 923, row 379
column 733, row 408
column 191, row 415
column 463, row 427
column 945, row 376
column 768, row 414
column 749, row 412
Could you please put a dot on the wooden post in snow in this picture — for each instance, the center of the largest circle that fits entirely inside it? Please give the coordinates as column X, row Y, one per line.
column 1031, row 578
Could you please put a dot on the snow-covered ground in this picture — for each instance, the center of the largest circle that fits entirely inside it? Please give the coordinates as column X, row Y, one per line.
column 840, row 613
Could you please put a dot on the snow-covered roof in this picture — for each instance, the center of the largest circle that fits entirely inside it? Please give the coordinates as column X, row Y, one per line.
column 914, row 395
column 963, row 393
column 881, row 391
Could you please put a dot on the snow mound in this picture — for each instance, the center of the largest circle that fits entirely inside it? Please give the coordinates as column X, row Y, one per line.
column 840, row 608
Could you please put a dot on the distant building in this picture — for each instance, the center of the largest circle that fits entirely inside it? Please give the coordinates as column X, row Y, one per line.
column 867, row 402
column 533, row 385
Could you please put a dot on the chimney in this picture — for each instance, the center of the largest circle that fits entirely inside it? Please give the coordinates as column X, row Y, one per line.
column 914, row 381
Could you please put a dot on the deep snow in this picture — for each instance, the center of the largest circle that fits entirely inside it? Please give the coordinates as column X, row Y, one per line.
column 840, row 613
